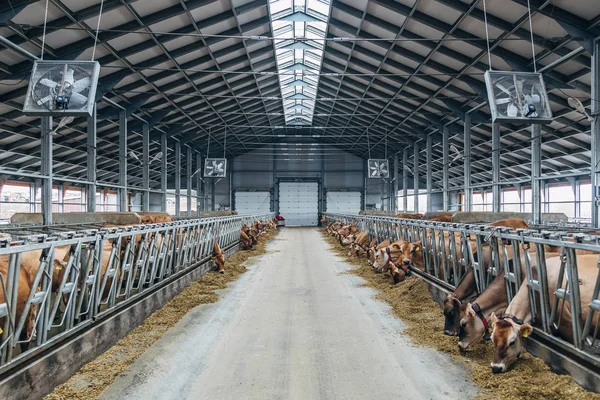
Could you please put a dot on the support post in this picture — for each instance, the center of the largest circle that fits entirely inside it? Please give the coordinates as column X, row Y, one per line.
column 496, row 196
column 468, row 192
column 122, row 191
column 188, row 181
column 199, row 193
column 365, row 180
column 395, row 185
column 446, row 165
column 536, row 173
column 416, row 177
column 405, row 180
column 595, row 133
column 178, row 178
column 46, row 148
column 163, row 172
column 429, row 176
column 91, row 162
column 146, row 167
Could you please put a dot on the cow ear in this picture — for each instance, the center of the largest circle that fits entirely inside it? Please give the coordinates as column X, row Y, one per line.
column 470, row 312
column 395, row 246
column 373, row 243
column 525, row 330
column 493, row 319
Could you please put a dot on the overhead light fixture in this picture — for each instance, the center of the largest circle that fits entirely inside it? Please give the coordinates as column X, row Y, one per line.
column 577, row 105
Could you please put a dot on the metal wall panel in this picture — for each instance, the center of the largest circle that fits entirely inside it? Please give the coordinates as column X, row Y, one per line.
column 250, row 202
column 343, row 202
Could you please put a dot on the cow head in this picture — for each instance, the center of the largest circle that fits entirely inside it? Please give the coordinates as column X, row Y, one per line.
column 371, row 251
column 384, row 255
column 507, row 337
column 451, row 315
column 347, row 240
column 219, row 257
column 472, row 328
column 412, row 253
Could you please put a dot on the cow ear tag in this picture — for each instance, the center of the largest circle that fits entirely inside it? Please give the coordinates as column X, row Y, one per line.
column 525, row 333
column 417, row 248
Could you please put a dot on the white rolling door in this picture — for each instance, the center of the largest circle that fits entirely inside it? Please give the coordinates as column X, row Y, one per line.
column 343, row 202
column 299, row 203
column 252, row 202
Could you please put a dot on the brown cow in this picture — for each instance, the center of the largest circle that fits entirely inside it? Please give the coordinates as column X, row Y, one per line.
column 219, row 257
column 246, row 241
column 386, row 254
column 509, row 331
column 409, row 216
column 441, row 218
column 359, row 244
column 513, row 223
column 465, row 291
column 373, row 247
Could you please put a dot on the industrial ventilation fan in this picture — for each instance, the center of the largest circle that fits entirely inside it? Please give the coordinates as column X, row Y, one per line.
column 59, row 88
column 518, row 96
column 215, row 167
column 378, row 168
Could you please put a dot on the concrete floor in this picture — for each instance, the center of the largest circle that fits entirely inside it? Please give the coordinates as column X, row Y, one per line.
column 292, row 327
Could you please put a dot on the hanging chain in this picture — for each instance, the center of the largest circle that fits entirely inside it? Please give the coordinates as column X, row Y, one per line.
column 97, row 30
column 44, row 31
column 487, row 35
column 531, row 30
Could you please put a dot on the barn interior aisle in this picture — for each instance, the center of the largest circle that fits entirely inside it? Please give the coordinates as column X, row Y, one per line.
column 293, row 327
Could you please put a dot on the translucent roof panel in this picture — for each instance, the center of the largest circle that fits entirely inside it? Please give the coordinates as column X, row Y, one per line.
column 299, row 27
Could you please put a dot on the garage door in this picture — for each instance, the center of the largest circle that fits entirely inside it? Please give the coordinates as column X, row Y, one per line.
column 343, row 202
column 252, row 202
column 299, row 203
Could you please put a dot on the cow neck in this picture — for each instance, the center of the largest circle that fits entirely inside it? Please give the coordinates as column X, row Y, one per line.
column 493, row 298
column 467, row 286
column 518, row 310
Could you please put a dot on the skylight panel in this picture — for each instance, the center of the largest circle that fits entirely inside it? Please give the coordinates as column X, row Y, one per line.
column 299, row 27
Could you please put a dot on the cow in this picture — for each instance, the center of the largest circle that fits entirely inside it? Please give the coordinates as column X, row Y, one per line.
column 373, row 247
column 154, row 217
column 409, row 216
column 465, row 291
column 359, row 243
column 246, row 241
column 441, row 218
column 513, row 223
column 508, row 331
column 386, row 254
column 219, row 257
column 475, row 317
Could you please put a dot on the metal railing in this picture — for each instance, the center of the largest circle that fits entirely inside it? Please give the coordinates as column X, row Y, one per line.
column 53, row 284
column 450, row 248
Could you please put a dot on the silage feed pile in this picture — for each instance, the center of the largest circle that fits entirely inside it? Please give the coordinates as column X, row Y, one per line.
column 97, row 375
column 411, row 301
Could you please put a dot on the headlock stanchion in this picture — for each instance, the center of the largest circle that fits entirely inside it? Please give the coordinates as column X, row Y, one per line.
column 51, row 285
column 450, row 248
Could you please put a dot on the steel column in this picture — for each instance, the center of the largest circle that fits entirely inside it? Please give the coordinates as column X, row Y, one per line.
column 122, row 191
column 163, row 172
column 91, row 162
column 416, row 177
column 199, row 193
column 46, row 160
column 405, row 180
column 146, row 167
column 365, row 185
column 395, row 184
column 536, row 173
column 446, row 163
column 177, row 177
column 496, row 195
column 429, row 173
column 188, row 182
column 595, row 133
column 468, row 192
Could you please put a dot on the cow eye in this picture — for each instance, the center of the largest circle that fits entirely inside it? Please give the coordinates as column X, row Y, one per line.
column 512, row 342
column 463, row 324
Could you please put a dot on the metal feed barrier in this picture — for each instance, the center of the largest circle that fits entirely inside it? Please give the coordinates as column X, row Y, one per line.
column 100, row 270
column 445, row 266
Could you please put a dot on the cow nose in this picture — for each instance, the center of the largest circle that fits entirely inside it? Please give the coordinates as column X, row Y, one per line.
column 449, row 332
column 462, row 346
column 497, row 368
column 406, row 262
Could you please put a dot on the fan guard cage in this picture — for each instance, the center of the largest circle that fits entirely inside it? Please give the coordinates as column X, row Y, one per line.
column 511, row 93
column 378, row 168
column 215, row 167
column 77, row 80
